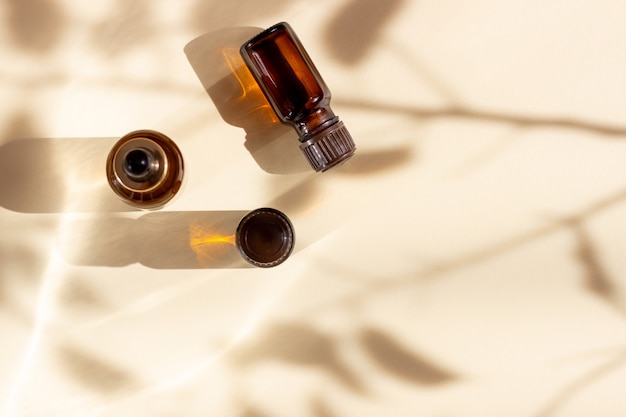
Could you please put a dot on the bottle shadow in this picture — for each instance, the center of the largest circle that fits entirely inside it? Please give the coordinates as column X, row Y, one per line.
column 54, row 175
column 274, row 145
column 217, row 63
column 158, row 240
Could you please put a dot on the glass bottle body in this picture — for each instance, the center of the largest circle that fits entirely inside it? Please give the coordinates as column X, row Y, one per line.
column 298, row 94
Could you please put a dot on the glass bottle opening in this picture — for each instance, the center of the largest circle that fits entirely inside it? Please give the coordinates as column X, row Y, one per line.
column 145, row 169
column 139, row 164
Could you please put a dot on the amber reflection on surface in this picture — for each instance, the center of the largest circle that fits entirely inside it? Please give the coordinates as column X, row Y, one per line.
column 257, row 111
column 216, row 60
column 208, row 243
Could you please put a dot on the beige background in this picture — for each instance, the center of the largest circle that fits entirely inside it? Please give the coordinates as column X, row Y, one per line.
column 468, row 261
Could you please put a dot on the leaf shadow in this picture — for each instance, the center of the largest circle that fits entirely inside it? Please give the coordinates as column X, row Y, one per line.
column 398, row 361
column 597, row 279
column 216, row 14
column 300, row 345
column 352, row 33
column 127, row 26
column 94, row 373
column 491, row 251
column 253, row 412
column 321, row 408
column 35, row 25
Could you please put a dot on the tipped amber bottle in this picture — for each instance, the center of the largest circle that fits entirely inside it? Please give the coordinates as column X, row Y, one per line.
column 298, row 95
column 145, row 169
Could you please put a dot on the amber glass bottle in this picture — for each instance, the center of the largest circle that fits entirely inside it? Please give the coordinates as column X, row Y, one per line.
column 145, row 169
column 298, row 95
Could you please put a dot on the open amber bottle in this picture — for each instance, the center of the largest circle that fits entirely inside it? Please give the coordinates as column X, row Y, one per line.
column 145, row 169
column 298, row 94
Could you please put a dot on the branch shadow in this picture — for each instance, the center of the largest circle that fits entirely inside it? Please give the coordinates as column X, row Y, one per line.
column 597, row 280
column 518, row 120
column 500, row 248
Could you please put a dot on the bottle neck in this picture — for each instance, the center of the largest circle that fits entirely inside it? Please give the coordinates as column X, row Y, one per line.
column 314, row 122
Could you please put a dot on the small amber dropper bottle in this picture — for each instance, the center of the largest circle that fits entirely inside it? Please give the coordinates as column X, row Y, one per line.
column 145, row 169
column 298, row 94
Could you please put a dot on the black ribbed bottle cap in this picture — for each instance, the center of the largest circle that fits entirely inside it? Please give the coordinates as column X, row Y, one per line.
column 329, row 148
column 265, row 237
